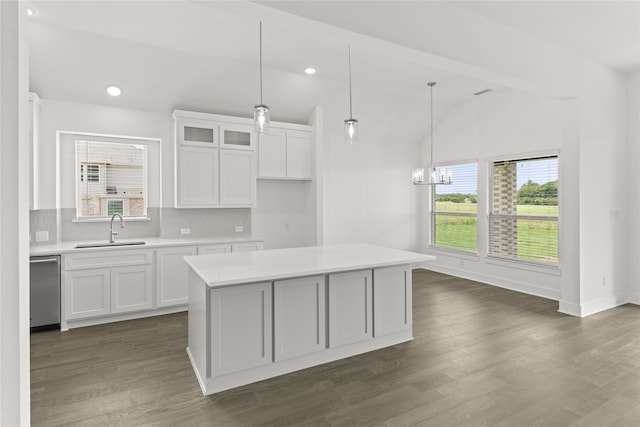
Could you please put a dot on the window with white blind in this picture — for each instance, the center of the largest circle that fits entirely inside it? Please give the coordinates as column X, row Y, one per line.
column 454, row 210
column 523, row 219
column 111, row 178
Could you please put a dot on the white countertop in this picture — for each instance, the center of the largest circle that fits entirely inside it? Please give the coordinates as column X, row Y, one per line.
column 218, row 270
column 150, row 243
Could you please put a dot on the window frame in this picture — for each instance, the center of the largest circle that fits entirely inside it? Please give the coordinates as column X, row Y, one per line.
column 112, row 139
column 524, row 262
column 433, row 213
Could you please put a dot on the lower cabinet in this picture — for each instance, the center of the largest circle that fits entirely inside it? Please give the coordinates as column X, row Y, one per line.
column 103, row 291
column 87, row 293
column 241, row 328
column 172, row 275
column 391, row 300
column 350, row 307
column 299, row 317
column 131, row 288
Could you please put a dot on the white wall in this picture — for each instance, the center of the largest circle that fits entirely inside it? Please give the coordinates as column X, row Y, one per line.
column 285, row 214
column 14, row 216
column 633, row 177
column 98, row 119
column 603, row 188
column 500, row 124
column 368, row 195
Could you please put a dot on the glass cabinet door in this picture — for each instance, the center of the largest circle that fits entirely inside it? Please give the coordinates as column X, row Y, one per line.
column 193, row 132
column 237, row 137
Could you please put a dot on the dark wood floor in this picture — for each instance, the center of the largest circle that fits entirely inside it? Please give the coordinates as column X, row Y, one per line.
column 482, row 356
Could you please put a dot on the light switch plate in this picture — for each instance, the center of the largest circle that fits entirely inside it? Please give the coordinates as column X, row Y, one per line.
column 239, row 229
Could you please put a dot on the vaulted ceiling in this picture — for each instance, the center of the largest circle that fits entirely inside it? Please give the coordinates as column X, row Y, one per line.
column 204, row 55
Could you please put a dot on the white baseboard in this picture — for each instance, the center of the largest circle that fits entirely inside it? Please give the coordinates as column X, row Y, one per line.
column 592, row 307
column 634, row 298
column 513, row 285
column 70, row 324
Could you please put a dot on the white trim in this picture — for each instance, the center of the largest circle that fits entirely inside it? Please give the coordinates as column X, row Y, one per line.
column 513, row 285
column 65, row 325
column 553, row 270
column 453, row 253
column 455, row 162
column 633, row 298
column 532, row 155
column 592, row 307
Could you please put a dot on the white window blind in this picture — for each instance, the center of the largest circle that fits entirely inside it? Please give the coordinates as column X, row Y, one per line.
column 523, row 220
column 454, row 210
column 112, row 178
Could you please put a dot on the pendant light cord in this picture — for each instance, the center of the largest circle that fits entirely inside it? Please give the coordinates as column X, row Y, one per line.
column 431, row 85
column 350, row 98
column 260, row 62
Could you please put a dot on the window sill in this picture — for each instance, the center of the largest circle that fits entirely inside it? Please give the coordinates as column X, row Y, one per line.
column 553, row 270
column 467, row 256
column 108, row 219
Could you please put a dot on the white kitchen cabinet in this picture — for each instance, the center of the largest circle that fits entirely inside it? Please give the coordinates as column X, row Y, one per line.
column 299, row 155
column 214, row 249
column 350, row 307
column 392, row 300
column 100, row 283
column 237, row 178
column 237, row 136
column 285, row 154
column 299, row 317
column 87, row 293
column 172, row 275
column 247, row 247
column 197, row 177
column 131, row 288
column 272, row 154
column 215, row 161
column 196, row 132
column 241, row 328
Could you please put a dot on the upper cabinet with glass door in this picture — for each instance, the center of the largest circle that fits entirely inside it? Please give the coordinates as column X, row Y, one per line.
column 237, row 136
column 196, row 132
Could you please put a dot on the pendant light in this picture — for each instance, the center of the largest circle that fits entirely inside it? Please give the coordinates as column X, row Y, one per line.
column 444, row 177
column 350, row 124
column 261, row 111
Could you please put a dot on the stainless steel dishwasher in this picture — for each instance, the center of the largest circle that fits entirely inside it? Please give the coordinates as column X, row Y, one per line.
column 45, row 292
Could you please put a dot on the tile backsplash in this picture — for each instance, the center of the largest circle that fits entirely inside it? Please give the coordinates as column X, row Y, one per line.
column 59, row 224
column 205, row 222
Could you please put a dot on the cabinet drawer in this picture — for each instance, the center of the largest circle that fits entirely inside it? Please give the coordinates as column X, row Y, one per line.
column 214, row 249
column 111, row 258
column 247, row 247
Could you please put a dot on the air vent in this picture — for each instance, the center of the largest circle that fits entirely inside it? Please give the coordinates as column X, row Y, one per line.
column 482, row 92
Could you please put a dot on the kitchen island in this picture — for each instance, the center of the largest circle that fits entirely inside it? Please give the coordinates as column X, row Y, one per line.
column 257, row 315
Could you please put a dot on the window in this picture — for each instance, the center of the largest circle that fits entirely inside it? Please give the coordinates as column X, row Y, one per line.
column 523, row 219
column 112, row 179
column 454, row 210
column 114, row 207
column 93, row 173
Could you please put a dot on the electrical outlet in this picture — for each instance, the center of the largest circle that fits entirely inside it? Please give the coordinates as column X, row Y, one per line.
column 42, row 236
column 239, row 229
column 185, row 231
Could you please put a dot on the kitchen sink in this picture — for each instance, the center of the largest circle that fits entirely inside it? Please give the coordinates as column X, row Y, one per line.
column 108, row 245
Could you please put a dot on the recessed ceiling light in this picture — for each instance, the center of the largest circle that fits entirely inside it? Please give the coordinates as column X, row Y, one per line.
column 310, row 70
column 30, row 11
column 114, row 90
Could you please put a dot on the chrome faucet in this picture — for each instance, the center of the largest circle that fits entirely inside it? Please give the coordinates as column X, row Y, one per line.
column 112, row 237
